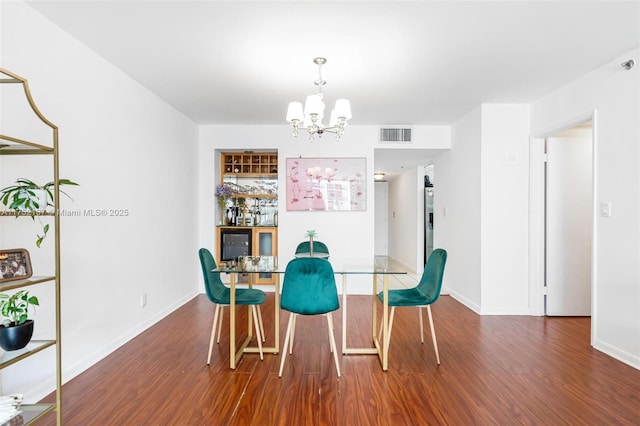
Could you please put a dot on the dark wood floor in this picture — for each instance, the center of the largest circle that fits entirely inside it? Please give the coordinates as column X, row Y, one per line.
column 495, row 370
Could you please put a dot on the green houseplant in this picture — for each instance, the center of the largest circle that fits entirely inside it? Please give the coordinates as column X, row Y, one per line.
column 311, row 233
column 27, row 197
column 16, row 329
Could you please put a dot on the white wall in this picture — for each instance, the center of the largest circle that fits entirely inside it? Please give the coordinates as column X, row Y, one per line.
column 458, row 231
column 504, row 209
column 613, row 94
column 482, row 184
column 128, row 150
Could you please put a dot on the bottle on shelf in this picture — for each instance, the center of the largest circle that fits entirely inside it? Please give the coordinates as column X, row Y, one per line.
column 257, row 214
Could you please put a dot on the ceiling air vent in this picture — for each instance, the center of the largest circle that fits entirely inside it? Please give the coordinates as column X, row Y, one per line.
column 395, row 135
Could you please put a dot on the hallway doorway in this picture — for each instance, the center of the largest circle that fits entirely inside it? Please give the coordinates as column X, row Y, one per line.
column 568, row 221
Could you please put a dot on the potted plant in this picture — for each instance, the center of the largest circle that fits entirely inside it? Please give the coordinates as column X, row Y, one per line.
column 16, row 329
column 311, row 234
column 27, row 197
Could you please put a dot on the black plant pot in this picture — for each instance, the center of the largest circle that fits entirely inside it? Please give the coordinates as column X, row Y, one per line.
column 16, row 336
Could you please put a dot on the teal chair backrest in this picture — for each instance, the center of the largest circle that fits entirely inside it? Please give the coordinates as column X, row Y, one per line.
column 318, row 247
column 431, row 281
column 217, row 292
column 309, row 287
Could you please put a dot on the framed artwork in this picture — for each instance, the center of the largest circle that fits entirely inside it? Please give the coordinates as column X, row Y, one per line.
column 15, row 264
column 326, row 184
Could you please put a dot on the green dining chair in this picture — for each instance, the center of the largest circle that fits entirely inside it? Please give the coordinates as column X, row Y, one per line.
column 220, row 295
column 423, row 295
column 318, row 247
column 308, row 288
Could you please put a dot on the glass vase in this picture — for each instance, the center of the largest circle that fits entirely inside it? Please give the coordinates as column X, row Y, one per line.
column 222, row 214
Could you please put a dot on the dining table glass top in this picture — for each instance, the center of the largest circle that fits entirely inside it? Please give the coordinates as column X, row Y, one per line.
column 278, row 264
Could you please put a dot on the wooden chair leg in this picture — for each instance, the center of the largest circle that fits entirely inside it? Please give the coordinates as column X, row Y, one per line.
column 261, row 324
column 421, row 326
column 290, row 325
column 433, row 333
column 213, row 332
column 258, row 335
column 220, row 322
column 293, row 334
column 332, row 341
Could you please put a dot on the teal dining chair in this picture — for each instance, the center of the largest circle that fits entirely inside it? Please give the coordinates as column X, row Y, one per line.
column 423, row 295
column 318, row 247
column 308, row 288
column 220, row 294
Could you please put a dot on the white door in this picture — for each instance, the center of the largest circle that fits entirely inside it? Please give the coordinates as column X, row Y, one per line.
column 381, row 234
column 569, row 224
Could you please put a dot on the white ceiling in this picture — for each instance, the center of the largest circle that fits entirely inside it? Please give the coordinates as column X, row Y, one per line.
column 400, row 63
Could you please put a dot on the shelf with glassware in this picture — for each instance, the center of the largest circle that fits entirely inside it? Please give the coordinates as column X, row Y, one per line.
column 25, row 150
column 242, row 211
column 244, row 186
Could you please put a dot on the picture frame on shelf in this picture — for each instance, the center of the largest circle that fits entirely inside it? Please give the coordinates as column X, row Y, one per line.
column 15, row 264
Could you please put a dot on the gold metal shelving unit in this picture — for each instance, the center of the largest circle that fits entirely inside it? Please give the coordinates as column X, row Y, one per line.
column 19, row 146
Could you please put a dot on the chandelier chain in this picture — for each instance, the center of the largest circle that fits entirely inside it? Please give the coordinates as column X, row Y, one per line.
column 320, row 81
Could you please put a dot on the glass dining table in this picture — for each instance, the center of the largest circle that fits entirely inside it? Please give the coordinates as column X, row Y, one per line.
column 377, row 267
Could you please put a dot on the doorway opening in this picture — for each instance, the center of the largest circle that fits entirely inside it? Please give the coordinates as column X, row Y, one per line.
column 429, row 192
column 568, row 221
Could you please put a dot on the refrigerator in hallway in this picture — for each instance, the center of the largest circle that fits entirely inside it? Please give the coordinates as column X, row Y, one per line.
column 428, row 217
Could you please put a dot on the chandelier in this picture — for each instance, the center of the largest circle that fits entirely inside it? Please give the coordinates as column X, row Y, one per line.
column 311, row 116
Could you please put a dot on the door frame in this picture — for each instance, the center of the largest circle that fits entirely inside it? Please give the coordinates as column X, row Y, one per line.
column 537, row 215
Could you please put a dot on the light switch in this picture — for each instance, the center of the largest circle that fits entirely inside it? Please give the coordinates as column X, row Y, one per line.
column 605, row 209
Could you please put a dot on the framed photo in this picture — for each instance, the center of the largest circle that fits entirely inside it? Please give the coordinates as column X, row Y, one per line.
column 15, row 264
column 326, row 184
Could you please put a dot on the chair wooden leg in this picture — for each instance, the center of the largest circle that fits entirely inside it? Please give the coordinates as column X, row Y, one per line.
column 257, row 325
column 421, row 326
column 290, row 326
column 332, row 341
column 261, row 324
column 213, row 332
column 293, row 334
column 433, row 333
column 220, row 322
